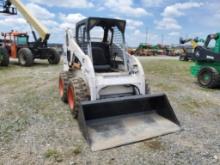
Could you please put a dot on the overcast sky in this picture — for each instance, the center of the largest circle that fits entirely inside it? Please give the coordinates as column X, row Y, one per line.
column 164, row 20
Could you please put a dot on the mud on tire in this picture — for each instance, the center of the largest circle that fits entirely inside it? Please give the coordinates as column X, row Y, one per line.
column 76, row 93
column 63, row 84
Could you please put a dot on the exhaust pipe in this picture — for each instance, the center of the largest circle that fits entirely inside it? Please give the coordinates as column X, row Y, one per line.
column 114, row 122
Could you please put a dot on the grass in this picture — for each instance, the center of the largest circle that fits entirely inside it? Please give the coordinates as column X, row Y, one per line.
column 53, row 154
column 77, row 150
column 168, row 75
column 36, row 104
column 173, row 78
column 167, row 68
column 12, row 80
column 166, row 86
column 9, row 127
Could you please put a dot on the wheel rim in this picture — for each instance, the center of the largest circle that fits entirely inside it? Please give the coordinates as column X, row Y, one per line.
column 205, row 78
column 61, row 87
column 71, row 98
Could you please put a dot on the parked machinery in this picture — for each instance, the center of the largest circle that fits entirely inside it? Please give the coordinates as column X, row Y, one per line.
column 106, row 90
column 18, row 44
column 4, row 57
column 188, row 51
column 207, row 62
column 148, row 50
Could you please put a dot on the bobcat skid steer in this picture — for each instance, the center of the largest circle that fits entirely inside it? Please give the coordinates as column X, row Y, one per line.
column 105, row 88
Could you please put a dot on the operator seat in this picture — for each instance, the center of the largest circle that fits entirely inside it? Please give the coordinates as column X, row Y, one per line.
column 101, row 57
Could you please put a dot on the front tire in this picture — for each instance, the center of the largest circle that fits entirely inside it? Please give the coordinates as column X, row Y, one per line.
column 54, row 56
column 208, row 77
column 25, row 57
column 4, row 57
column 76, row 93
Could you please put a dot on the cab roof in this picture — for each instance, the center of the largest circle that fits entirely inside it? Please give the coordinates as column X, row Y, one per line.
column 91, row 22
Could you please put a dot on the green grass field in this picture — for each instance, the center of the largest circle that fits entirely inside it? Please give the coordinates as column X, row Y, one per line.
column 36, row 127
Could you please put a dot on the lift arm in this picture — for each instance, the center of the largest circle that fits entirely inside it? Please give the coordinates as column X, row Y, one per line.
column 194, row 42
column 42, row 30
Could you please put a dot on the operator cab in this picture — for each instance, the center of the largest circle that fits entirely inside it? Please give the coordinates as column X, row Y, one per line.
column 22, row 40
column 103, row 40
column 212, row 42
column 14, row 41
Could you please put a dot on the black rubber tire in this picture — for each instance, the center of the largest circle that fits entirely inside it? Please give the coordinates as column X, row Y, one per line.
column 25, row 57
column 63, row 84
column 54, row 56
column 181, row 58
column 5, row 57
column 80, row 93
column 214, row 80
column 186, row 58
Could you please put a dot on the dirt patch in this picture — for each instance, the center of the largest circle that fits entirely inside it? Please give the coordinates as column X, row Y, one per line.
column 154, row 145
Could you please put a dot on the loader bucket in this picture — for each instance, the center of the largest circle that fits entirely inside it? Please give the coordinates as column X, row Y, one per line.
column 114, row 122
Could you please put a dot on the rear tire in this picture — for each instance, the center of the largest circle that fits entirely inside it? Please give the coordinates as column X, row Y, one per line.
column 54, row 56
column 63, row 84
column 76, row 93
column 183, row 58
column 4, row 57
column 25, row 57
column 186, row 58
column 208, row 77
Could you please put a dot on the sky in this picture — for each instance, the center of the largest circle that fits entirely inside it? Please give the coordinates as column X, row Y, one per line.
column 152, row 21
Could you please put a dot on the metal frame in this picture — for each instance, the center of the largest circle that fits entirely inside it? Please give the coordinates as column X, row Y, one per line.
column 133, row 75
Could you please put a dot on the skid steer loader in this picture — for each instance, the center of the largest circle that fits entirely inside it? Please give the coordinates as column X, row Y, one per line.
column 105, row 87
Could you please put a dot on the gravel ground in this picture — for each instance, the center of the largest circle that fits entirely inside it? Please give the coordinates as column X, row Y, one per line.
column 37, row 128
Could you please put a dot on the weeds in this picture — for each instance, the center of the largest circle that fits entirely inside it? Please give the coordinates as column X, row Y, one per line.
column 53, row 154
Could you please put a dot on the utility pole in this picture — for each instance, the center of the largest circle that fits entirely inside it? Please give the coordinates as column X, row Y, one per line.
column 146, row 35
column 162, row 39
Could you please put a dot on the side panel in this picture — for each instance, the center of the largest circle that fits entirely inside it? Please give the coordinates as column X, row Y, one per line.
column 72, row 51
column 13, row 51
column 198, row 65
